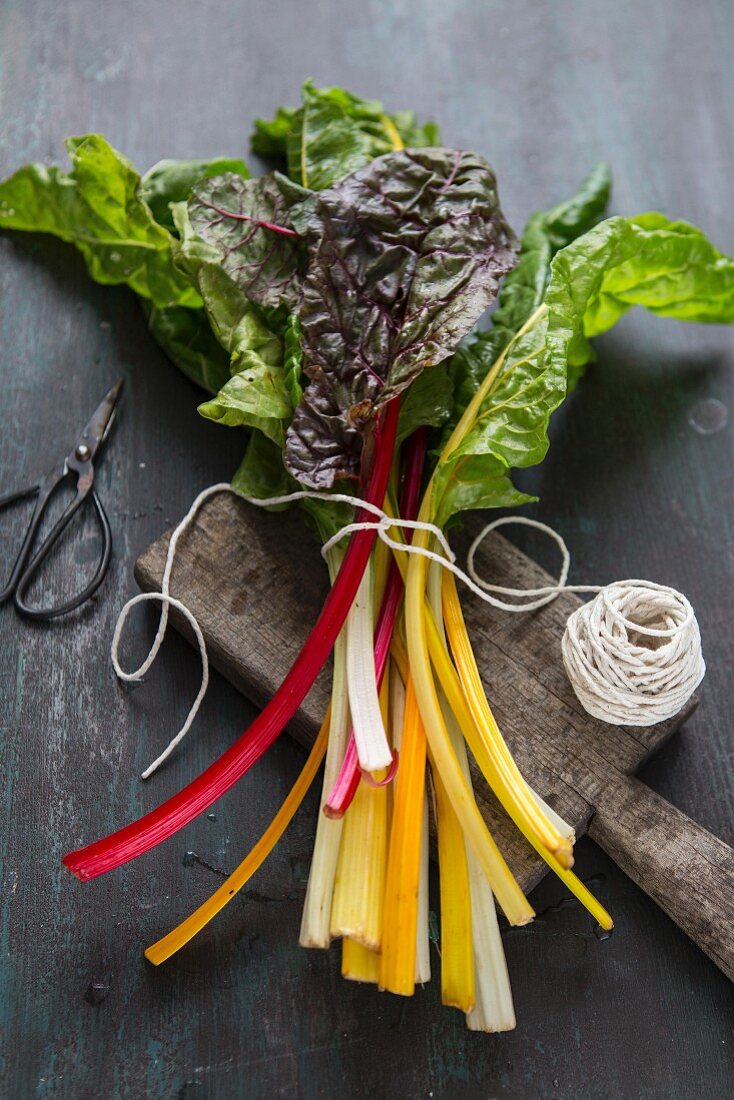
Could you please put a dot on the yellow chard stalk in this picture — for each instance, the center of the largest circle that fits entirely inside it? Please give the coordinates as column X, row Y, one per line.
column 188, row 928
column 457, row 959
column 400, row 912
column 508, row 893
column 493, row 1007
column 359, row 963
column 359, row 887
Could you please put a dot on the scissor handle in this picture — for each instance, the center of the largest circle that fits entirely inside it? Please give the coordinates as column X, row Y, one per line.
column 27, row 545
column 26, row 578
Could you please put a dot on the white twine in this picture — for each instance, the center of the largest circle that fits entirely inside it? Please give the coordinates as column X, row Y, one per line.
column 633, row 654
column 166, row 600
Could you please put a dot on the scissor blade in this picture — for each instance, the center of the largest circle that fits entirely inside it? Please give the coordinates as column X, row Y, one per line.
column 97, row 430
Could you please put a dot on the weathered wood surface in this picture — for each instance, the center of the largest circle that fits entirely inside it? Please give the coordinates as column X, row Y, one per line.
column 544, row 90
column 682, row 866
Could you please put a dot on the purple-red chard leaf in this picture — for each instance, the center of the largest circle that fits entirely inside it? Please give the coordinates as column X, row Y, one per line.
column 404, row 256
column 247, row 223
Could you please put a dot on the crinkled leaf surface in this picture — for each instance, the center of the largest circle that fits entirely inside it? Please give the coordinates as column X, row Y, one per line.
column 254, row 392
column 238, row 325
column 403, row 258
column 98, row 207
column 171, row 181
column 186, row 337
column 524, row 288
column 269, row 135
column 668, row 267
column 334, row 133
column 293, row 359
column 427, row 402
column 227, row 213
column 255, row 397
column 235, row 320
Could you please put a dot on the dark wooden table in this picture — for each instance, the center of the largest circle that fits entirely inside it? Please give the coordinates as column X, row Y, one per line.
column 544, row 91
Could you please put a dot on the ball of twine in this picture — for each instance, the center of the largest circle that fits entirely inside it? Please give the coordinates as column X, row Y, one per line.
column 633, row 653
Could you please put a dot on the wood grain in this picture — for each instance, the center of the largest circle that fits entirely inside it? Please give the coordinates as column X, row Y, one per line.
column 682, row 866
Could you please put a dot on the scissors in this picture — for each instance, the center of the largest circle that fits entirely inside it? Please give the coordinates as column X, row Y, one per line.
column 79, row 461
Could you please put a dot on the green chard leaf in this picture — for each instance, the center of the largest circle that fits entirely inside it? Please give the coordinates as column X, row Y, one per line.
column 270, row 135
column 172, row 181
column 254, row 392
column 261, row 473
column 668, row 267
column 335, row 133
column 255, row 397
column 524, row 288
column 293, row 359
column 186, row 337
column 98, row 207
column 428, row 402
column 238, row 324
column 243, row 226
column 403, row 258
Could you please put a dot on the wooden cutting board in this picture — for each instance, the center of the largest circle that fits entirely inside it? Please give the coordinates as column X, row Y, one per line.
column 255, row 582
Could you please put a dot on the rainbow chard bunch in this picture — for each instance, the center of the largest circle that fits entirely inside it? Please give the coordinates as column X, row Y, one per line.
column 329, row 309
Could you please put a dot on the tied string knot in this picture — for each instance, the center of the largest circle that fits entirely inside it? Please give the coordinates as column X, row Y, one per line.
column 632, row 655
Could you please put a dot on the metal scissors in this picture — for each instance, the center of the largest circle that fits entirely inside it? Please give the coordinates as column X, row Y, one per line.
column 79, row 461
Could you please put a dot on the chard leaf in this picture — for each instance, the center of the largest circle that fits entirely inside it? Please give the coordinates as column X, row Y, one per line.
column 270, row 135
column 98, row 207
column 258, row 394
column 172, row 181
column 237, row 223
column 187, row 339
column 668, row 267
column 335, row 133
column 293, row 359
column 403, row 258
column 261, row 473
column 189, row 251
column 428, row 402
column 524, row 288
column 238, row 325
column 255, row 397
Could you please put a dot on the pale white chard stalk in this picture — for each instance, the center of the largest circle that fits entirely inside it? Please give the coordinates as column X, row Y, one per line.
column 315, row 921
column 493, row 1009
column 373, row 749
column 423, row 945
column 359, row 888
column 555, row 819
